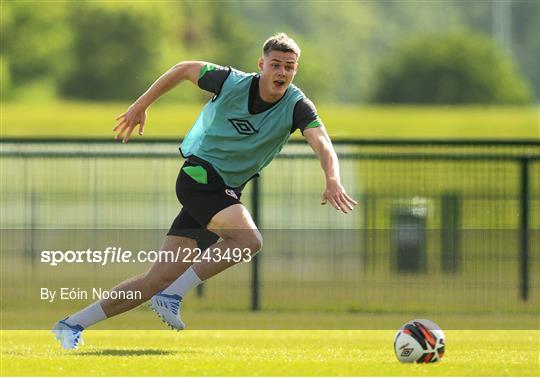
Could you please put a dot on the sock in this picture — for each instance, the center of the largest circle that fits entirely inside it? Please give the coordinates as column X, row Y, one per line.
column 90, row 315
column 184, row 283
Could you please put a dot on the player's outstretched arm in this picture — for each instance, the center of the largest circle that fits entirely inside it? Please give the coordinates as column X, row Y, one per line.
column 136, row 113
column 335, row 194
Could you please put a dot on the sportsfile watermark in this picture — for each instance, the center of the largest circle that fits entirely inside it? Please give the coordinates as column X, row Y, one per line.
column 118, row 255
column 301, row 279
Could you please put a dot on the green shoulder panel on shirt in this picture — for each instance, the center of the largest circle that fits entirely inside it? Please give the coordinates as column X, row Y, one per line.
column 207, row 67
column 314, row 124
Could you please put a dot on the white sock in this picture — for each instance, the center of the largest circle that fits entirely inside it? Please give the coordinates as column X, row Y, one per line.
column 184, row 283
column 90, row 315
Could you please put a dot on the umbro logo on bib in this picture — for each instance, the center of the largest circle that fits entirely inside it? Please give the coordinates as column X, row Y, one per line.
column 243, row 126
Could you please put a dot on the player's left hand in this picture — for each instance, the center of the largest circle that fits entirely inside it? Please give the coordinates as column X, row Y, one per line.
column 335, row 194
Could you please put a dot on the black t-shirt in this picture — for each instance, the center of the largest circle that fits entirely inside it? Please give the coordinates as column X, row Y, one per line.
column 304, row 111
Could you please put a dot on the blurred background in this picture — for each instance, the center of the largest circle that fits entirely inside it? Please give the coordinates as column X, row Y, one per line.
column 433, row 107
column 356, row 57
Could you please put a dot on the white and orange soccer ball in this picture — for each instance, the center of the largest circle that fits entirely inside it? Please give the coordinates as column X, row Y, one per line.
column 420, row 341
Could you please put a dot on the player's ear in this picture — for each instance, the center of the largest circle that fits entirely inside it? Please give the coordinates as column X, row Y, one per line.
column 261, row 63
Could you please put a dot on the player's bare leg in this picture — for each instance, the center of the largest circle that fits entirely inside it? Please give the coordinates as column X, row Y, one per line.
column 238, row 231
column 160, row 275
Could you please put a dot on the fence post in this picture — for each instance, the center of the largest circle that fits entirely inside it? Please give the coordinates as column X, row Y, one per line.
column 450, row 233
column 524, row 228
column 255, row 284
column 31, row 250
column 367, row 255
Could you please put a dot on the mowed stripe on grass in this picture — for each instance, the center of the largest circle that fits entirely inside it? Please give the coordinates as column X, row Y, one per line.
column 264, row 353
column 88, row 119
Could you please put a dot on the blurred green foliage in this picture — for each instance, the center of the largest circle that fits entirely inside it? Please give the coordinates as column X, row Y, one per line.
column 34, row 44
column 520, row 36
column 457, row 68
column 114, row 50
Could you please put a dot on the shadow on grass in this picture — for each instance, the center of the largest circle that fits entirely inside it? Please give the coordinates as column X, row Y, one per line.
column 128, row 352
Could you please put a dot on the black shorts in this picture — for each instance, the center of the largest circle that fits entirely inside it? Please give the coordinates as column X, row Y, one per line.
column 203, row 194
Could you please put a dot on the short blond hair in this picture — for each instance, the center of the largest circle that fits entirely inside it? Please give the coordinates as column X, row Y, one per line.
column 281, row 42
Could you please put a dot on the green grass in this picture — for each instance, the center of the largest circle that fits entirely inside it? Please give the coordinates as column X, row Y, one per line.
column 43, row 317
column 77, row 119
column 264, row 353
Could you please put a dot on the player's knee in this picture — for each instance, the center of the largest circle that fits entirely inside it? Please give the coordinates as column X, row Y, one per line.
column 253, row 242
column 246, row 239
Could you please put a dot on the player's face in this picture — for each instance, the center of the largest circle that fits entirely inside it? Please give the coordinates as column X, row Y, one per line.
column 278, row 69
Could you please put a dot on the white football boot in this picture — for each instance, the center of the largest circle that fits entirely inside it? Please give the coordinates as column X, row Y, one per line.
column 69, row 336
column 167, row 307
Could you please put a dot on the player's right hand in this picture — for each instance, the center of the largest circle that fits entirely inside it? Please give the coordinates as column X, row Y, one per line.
column 127, row 121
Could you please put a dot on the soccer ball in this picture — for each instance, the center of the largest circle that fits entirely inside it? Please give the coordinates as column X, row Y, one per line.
column 420, row 341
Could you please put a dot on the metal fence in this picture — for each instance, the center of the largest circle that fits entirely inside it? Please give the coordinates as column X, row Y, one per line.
column 452, row 226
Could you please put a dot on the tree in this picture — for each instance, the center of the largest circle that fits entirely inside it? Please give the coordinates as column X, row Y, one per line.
column 35, row 43
column 116, row 51
column 460, row 67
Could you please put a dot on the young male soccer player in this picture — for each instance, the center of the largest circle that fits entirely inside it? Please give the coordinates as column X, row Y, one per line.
column 237, row 134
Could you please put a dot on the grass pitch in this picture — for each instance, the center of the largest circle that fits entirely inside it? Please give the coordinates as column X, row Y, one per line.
column 88, row 119
column 264, row 353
